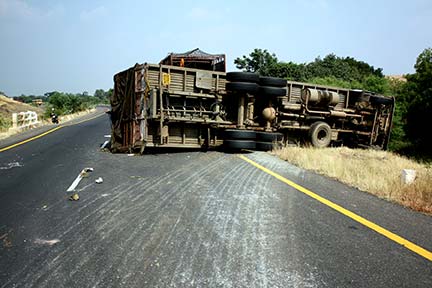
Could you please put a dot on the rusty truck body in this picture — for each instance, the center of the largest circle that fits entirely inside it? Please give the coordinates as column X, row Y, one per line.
column 158, row 105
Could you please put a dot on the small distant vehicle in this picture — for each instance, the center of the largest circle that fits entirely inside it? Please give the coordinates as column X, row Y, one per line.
column 54, row 117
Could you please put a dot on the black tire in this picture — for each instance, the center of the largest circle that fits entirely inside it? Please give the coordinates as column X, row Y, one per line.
column 268, row 137
column 264, row 146
column 239, row 144
column 245, row 87
column 272, row 91
column 272, row 81
column 320, row 134
column 236, row 134
column 242, row 77
column 380, row 100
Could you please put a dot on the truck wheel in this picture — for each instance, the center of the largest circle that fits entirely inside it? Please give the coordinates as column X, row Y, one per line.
column 264, row 146
column 245, row 87
column 239, row 144
column 320, row 134
column 380, row 100
column 236, row 134
column 242, row 77
column 272, row 81
column 272, row 91
column 268, row 137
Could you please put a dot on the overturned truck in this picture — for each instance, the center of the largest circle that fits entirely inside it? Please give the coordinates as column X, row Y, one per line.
column 158, row 105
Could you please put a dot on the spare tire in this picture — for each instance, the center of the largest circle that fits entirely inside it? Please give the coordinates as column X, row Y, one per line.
column 272, row 91
column 264, row 146
column 239, row 144
column 234, row 134
column 245, row 87
column 269, row 137
column 272, row 81
column 242, row 77
column 380, row 100
column 320, row 134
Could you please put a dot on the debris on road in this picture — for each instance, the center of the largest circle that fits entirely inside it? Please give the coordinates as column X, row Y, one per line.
column 83, row 174
column 131, row 154
column 74, row 197
column 46, row 242
column 99, row 180
column 11, row 165
column 44, row 207
column 136, row 177
column 103, row 146
column 7, row 243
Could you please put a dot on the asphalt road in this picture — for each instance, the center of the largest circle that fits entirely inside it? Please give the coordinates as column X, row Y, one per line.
column 190, row 219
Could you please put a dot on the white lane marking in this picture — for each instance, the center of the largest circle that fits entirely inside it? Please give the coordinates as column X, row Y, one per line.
column 107, row 136
column 104, row 144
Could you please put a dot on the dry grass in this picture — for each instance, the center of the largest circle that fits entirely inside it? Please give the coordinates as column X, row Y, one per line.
column 377, row 172
column 9, row 106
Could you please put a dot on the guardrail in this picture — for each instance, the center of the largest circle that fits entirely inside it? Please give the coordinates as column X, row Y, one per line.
column 24, row 120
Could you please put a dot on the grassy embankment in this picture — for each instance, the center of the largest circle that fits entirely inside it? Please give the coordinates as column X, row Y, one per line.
column 9, row 106
column 376, row 172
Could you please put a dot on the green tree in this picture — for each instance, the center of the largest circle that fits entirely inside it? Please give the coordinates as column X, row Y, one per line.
column 99, row 93
column 347, row 69
column 58, row 101
column 259, row 61
column 103, row 96
column 288, row 70
column 333, row 69
column 420, row 96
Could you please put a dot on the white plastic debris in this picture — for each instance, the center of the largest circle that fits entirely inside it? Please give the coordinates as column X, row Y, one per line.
column 99, row 180
column 46, row 242
column 83, row 173
column 408, row 176
column 104, row 144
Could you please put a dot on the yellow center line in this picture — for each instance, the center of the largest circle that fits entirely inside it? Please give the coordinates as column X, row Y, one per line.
column 46, row 133
column 392, row 236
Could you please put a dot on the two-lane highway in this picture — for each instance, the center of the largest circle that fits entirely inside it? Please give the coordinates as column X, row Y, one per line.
column 192, row 219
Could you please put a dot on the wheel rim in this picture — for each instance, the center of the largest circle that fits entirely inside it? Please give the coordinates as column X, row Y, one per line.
column 322, row 135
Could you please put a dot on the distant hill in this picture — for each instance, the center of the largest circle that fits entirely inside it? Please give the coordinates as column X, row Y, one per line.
column 397, row 77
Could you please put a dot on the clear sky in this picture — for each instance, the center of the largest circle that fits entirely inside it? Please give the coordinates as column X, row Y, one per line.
column 76, row 46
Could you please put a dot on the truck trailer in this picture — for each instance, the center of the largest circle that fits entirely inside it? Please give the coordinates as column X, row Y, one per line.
column 159, row 105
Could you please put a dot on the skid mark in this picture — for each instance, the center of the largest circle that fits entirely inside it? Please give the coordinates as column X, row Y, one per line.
column 129, row 193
